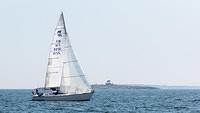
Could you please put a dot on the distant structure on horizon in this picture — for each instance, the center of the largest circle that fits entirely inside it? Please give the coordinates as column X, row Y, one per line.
column 108, row 82
column 109, row 85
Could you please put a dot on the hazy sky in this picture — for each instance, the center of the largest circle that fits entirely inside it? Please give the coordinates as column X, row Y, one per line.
column 127, row 41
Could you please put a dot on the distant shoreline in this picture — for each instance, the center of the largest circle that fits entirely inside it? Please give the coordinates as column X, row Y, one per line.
column 117, row 86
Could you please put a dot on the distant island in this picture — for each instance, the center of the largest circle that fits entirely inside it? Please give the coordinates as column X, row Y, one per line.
column 110, row 85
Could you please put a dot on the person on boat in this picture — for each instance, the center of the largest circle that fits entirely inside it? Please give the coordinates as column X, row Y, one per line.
column 37, row 92
column 55, row 92
column 33, row 92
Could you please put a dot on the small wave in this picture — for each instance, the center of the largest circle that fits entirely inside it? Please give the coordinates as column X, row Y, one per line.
column 113, row 101
column 180, row 108
column 59, row 109
column 178, row 99
column 196, row 100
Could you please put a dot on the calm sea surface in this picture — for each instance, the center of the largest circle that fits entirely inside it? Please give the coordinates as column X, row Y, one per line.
column 134, row 101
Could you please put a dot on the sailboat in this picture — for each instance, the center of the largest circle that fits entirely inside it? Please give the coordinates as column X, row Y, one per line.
column 65, row 80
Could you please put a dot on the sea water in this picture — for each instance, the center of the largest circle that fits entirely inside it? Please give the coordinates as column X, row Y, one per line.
column 119, row 101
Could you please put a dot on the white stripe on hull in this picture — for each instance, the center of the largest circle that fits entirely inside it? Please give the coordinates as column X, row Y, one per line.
column 60, row 97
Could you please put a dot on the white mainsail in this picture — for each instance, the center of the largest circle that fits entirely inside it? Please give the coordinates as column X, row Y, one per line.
column 63, row 69
column 54, row 68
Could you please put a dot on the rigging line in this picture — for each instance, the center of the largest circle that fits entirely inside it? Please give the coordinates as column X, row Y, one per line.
column 53, row 43
column 54, row 58
column 70, row 61
column 76, row 75
column 54, row 66
column 54, row 51
column 60, row 28
column 52, row 72
column 73, row 76
column 67, row 46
